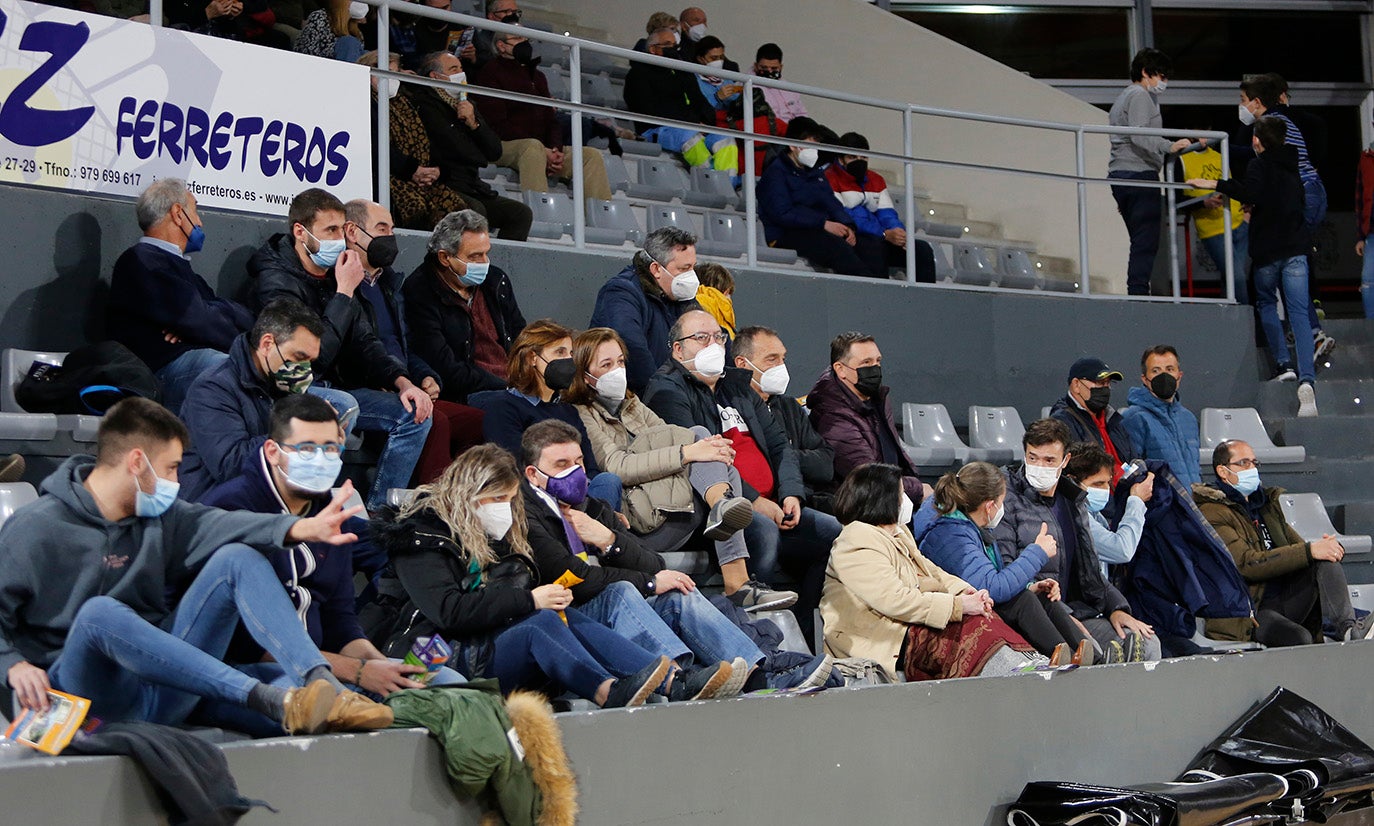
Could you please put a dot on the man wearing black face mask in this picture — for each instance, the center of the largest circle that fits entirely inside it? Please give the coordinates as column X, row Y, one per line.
column 881, row 236
column 1159, row 425
column 501, row 11
column 1088, row 413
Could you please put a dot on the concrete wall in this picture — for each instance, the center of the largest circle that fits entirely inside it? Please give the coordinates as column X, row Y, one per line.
column 932, row 753
column 853, row 46
column 955, row 346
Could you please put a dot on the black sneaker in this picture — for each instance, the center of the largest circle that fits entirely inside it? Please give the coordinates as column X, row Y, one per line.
column 632, row 691
column 812, row 674
column 755, row 596
column 700, row 682
column 1363, row 629
column 729, row 515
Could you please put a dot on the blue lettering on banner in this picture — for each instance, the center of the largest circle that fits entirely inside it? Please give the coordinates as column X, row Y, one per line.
column 25, row 125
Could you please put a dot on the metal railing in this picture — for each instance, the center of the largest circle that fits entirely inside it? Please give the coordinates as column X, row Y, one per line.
column 907, row 158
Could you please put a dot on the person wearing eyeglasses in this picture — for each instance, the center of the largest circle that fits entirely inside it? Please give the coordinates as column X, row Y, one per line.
column 1296, row 586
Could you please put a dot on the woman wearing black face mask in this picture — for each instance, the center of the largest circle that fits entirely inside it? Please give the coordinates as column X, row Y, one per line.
column 1088, row 413
column 539, row 369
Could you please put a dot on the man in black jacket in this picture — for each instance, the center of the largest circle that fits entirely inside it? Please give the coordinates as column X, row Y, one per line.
column 694, row 388
column 312, row 265
column 1086, row 410
column 462, row 142
column 631, row 591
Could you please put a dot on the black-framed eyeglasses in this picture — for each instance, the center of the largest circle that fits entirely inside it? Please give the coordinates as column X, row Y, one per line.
column 309, row 450
column 1245, row 464
column 705, row 338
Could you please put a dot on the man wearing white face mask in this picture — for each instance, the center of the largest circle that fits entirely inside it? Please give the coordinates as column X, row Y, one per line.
column 645, row 299
column 1296, row 586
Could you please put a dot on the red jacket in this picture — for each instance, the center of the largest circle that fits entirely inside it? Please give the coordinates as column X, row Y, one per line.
column 1364, row 191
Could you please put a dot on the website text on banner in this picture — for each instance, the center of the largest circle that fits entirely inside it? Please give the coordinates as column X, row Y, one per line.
column 97, row 104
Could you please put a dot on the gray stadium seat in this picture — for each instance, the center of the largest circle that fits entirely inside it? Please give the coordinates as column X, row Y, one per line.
column 492, row 173
column 1220, row 424
column 17, row 424
column 558, row 80
column 1362, row 597
column 944, row 261
column 929, row 435
column 1203, row 641
column 936, row 229
column 612, row 220
column 667, row 174
column 767, row 254
column 972, row 266
column 354, row 500
column 668, row 215
column 996, row 428
column 596, row 90
column 13, row 496
column 1045, row 411
column 647, row 149
column 714, row 182
column 553, row 214
column 1307, row 515
column 723, row 234
column 618, row 172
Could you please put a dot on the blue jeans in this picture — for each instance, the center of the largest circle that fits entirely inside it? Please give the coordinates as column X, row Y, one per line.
column 1240, row 249
column 344, row 404
column 806, row 545
column 1140, row 209
column 578, row 656
column 177, row 375
column 1292, row 272
column 1367, row 277
column 674, row 139
column 677, row 625
column 606, row 487
column 1313, row 213
column 383, row 412
column 132, row 670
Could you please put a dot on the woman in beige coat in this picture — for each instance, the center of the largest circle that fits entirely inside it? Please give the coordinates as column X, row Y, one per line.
column 884, row 601
column 679, row 483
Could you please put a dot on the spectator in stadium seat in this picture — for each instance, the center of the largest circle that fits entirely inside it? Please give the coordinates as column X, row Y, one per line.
column 159, row 307
column 1159, row 426
column 643, row 300
column 418, row 199
column 473, row 520
column 850, row 409
column 785, row 105
column 461, row 310
column 484, row 42
column 692, row 24
column 695, row 388
column 1139, row 158
column 881, row 236
column 667, row 93
column 99, row 625
column 679, row 484
column 715, row 295
column 461, row 142
column 723, row 95
column 953, row 529
column 1296, row 586
column 453, row 427
column 1091, row 467
column 799, row 210
column 1086, row 410
column 229, row 407
column 292, row 474
column 313, row 265
column 884, row 601
column 334, row 31
column 659, row 20
column 1040, row 497
column 538, row 371
column 532, row 139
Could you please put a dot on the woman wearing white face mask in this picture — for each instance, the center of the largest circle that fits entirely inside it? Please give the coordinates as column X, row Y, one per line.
column 885, row 601
column 335, row 31
column 952, row 530
column 460, row 551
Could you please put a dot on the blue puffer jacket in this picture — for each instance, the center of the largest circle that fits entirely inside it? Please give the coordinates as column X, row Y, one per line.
column 959, row 547
column 791, row 197
column 1164, row 432
column 639, row 311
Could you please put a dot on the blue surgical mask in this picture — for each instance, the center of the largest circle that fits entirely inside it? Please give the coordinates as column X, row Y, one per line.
column 154, row 504
column 328, row 253
column 1247, row 481
column 475, row 275
column 195, row 241
column 1097, row 498
column 312, row 475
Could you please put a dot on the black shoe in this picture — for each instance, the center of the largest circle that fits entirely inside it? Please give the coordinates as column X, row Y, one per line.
column 700, row 683
column 632, row 691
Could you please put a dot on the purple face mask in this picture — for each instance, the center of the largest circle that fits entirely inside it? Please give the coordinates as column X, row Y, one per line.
column 569, row 487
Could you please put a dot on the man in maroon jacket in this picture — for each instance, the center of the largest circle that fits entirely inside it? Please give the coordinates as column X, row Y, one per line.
column 850, row 409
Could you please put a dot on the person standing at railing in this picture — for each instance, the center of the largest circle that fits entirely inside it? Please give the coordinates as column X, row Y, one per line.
column 667, row 93
column 1140, row 158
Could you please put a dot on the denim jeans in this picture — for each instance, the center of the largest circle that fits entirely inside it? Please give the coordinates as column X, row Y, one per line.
column 1291, row 274
column 804, row 547
column 383, row 412
column 578, row 656
column 1367, row 277
column 606, row 487
column 343, row 403
column 677, row 625
column 1240, row 251
column 1313, row 214
column 1140, row 209
column 177, row 375
column 132, row 670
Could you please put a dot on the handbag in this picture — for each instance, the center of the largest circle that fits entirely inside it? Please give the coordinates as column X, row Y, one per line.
column 1217, row 802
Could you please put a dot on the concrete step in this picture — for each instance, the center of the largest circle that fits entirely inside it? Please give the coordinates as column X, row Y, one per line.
column 1348, row 331
column 943, row 212
column 1353, row 517
column 982, row 229
column 1347, row 361
column 1339, row 481
column 1342, row 397
column 1329, row 436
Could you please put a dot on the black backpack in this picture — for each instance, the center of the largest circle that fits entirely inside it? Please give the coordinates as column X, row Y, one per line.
column 90, row 380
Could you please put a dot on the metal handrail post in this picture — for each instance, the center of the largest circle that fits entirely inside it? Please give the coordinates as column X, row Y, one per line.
column 1171, row 222
column 578, row 183
column 751, row 205
column 1079, row 167
column 383, row 147
column 155, row 13
column 909, row 199
column 1228, row 254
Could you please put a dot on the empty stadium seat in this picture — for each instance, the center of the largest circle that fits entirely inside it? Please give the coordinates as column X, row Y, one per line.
column 612, row 222
column 558, row 79
column 668, row 215
column 1220, row 424
column 647, row 149
column 553, row 214
column 1017, row 269
column 597, row 90
column 17, row 424
column 929, row 435
column 617, row 172
column 996, row 428
column 715, row 182
column 771, row 255
column 971, row 266
column 667, row 174
column 723, row 234
column 13, row 496
column 1307, row 514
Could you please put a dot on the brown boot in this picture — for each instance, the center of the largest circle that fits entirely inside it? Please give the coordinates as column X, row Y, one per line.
column 308, row 709
column 354, row 712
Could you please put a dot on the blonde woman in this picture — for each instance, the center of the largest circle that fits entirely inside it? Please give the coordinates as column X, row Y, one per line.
column 334, row 31
column 460, row 550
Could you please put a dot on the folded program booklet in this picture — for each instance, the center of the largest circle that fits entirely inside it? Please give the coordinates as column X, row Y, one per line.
column 50, row 731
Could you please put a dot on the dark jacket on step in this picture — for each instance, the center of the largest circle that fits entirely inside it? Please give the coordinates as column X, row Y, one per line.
column 1273, row 190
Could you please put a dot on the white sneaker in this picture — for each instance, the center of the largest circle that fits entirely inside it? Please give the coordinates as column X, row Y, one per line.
column 1307, row 401
column 1322, row 344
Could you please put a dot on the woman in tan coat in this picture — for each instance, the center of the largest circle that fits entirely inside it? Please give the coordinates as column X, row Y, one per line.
column 884, row 601
column 679, row 483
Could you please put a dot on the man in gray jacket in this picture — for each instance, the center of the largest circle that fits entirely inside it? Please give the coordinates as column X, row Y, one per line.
column 85, row 574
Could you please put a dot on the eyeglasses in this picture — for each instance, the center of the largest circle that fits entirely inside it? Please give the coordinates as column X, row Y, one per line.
column 706, row 338
column 309, row 450
column 1245, row 464
column 516, row 13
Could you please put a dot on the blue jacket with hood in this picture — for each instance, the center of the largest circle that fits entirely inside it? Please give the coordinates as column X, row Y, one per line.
column 961, row 548
column 1165, row 432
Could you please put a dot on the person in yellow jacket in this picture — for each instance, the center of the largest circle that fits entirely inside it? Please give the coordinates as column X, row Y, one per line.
column 715, row 295
column 1209, row 219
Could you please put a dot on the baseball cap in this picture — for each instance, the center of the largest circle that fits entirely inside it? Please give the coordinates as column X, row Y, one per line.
column 1093, row 369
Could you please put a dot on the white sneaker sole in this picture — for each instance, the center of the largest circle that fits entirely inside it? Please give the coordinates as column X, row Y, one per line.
column 776, row 604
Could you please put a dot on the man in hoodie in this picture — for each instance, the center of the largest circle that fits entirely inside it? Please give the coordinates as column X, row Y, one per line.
column 312, row 264
column 86, row 573
column 1296, row 586
column 1086, row 410
column 645, row 299
column 1160, row 427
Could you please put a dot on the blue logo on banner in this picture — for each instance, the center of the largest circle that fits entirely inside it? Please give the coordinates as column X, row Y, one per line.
column 20, row 122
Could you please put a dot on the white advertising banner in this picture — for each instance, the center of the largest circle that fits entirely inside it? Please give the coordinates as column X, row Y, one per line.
column 99, row 104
